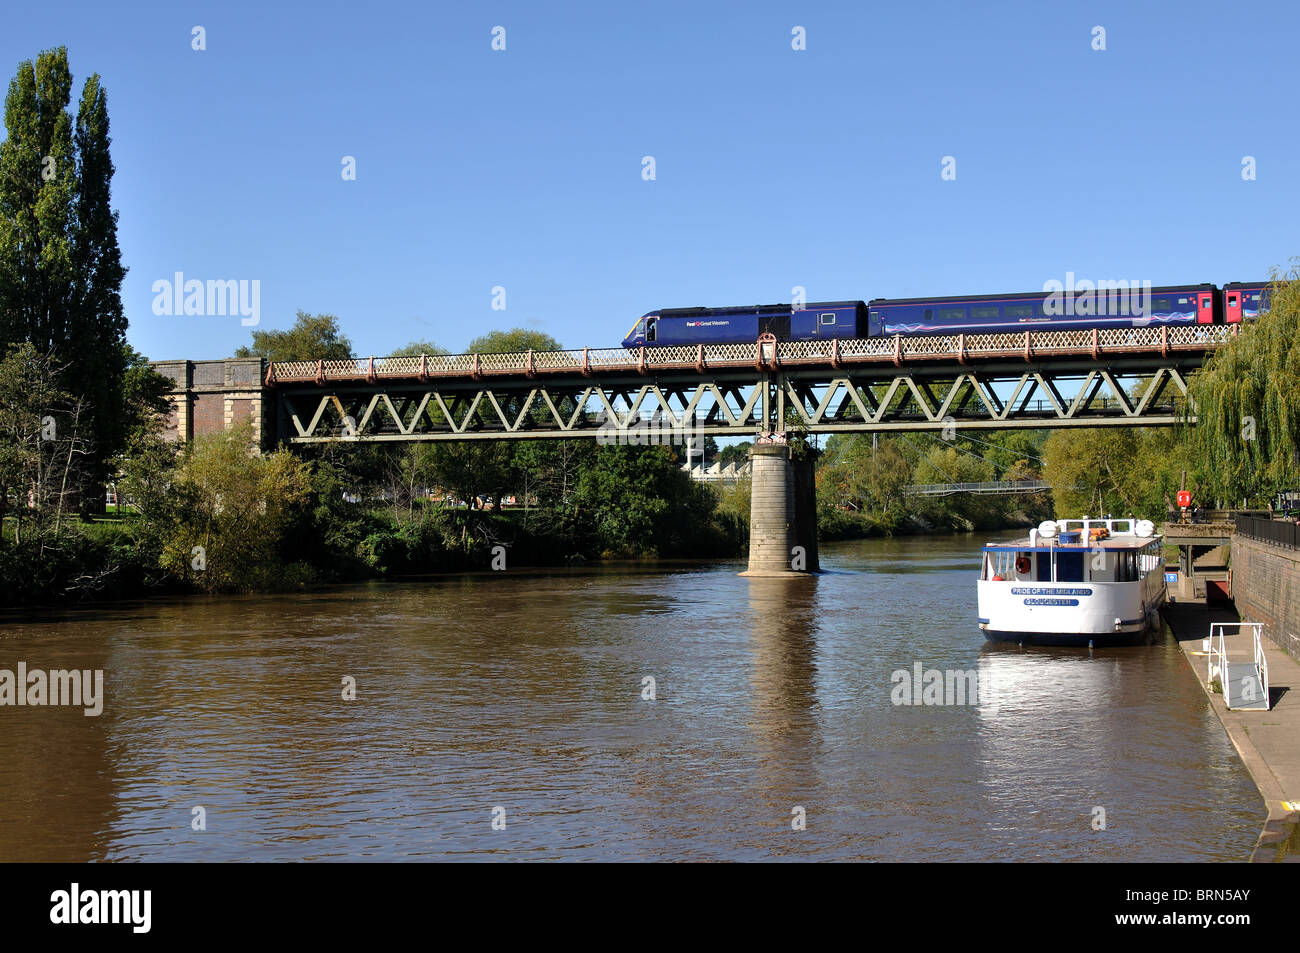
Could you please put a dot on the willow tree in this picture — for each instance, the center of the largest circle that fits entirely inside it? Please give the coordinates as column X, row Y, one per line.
column 1247, row 401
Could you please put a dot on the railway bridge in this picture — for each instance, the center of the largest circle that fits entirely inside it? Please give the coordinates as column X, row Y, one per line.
column 943, row 383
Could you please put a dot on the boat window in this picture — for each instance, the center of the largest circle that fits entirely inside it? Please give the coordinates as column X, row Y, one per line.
column 1069, row 566
column 1044, row 573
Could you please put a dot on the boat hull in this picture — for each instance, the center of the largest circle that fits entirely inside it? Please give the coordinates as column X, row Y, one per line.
column 1145, row 635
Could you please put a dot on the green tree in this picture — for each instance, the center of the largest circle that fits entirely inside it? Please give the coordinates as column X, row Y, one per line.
column 737, row 453
column 1092, row 470
column 962, row 511
column 638, row 502
column 1247, row 401
column 313, row 337
column 858, row 475
column 416, row 348
column 144, row 397
column 230, row 511
column 100, row 340
column 514, row 341
column 60, row 266
column 38, row 195
column 145, row 464
column 488, row 467
column 29, row 401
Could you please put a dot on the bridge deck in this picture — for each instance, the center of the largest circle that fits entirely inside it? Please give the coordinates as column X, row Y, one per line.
column 1031, row 346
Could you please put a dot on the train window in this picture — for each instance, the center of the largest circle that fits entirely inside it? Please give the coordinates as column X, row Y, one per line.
column 1160, row 304
column 650, row 329
column 1232, row 301
column 952, row 314
column 1019, row 310
column 984, row 314
column 875, row 315
column 828, row 318
column 929, row 313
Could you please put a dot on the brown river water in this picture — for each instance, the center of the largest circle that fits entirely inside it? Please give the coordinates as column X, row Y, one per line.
column 501, row 716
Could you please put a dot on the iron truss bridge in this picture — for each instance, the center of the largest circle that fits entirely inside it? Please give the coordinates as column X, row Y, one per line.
column 1114, row 377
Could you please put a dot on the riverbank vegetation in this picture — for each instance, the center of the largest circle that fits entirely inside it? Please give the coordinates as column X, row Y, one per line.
column 890, row 485
column 214, row 515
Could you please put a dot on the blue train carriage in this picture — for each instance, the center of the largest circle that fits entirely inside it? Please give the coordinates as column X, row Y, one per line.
column 1244, row 300
column 991, row 314
column 676, row 327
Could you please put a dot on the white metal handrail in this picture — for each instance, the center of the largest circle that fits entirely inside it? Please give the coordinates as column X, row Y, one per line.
column 1217, row 659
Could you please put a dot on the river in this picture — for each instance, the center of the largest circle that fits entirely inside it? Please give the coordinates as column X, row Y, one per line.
column 504, row 716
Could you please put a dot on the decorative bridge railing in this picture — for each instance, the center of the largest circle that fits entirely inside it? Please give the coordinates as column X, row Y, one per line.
column 835, row 353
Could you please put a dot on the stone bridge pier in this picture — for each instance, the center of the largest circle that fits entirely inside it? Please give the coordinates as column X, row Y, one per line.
column 782, row 513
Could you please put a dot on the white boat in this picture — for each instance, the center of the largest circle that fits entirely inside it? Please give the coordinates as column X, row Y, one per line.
column 1074, row 582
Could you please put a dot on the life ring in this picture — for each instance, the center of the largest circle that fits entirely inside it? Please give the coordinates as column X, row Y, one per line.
column 1022, row 565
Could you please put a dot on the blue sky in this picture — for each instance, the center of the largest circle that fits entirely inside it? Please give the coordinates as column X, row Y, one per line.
column 774, row 168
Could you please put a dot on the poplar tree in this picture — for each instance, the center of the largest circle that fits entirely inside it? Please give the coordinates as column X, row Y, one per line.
column 99, row 339
column 60, row 266
column 37, row 205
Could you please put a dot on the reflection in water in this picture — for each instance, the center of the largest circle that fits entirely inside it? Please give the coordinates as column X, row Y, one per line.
column 525, row 691
column 783, row 684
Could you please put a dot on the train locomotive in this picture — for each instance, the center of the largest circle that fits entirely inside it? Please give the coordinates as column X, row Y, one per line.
column 969, row 314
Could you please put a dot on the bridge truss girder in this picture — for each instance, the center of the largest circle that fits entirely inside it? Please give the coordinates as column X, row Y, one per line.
column 739, row 403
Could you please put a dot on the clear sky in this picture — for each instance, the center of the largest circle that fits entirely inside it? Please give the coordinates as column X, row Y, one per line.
column 774, row 167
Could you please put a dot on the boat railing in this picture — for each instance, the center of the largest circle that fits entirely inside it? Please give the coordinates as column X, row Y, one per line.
column 1244, row 684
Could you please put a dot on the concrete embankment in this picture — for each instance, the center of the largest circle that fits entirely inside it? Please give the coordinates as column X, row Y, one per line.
column 1267, row 741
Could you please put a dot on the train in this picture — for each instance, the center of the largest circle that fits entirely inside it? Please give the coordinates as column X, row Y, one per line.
column 1064, row 309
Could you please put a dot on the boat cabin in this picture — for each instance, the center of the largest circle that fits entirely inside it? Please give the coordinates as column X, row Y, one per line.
column 1087, row 550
